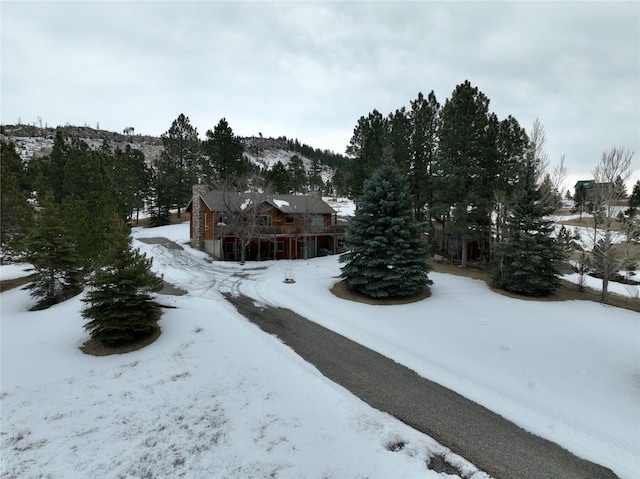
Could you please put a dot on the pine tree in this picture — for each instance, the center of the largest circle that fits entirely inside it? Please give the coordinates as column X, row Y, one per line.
column 279, row 178
column 297, row 174
column 528, row 258
column 425, row 123
column 224, row 157
column 51, row 249
column 132, row 177
column 386, row 257
column 82, row 183
column 467, row 162
column 634, row 199
column 315, row 174
column 580, row 200
column 366, row 148
column 121, row 308
column 15, row 211
column 179, row 161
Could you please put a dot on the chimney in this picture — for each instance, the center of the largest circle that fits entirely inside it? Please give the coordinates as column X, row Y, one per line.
column 197, row 217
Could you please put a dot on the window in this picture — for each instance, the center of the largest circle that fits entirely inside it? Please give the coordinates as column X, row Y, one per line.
column 230, row 220
column 317, row 221
column 289, row 219
column 263, row 220
column 279, row 246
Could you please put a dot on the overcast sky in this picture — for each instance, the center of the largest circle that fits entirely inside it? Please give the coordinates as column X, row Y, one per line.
column 310, row 70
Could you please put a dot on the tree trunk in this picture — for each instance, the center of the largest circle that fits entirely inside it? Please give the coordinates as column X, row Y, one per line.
column 243, row 249
column 605, row 287
column 463, row 259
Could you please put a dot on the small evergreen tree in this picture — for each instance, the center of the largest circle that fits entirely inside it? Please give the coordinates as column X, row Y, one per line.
column 580, row 200
column 386, row 256
column 528, row 258
column 51, row 250
column 121, row 306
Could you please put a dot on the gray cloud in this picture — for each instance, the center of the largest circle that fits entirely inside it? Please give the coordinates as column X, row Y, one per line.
column 311, row 69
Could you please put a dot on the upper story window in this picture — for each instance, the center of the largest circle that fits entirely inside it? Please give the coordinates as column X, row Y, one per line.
column 289, row 219
column 230, row 220
column 263, row 220
column 317, row 221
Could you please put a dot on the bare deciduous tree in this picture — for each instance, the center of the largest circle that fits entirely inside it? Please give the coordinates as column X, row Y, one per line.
column 614, row 163
column 537, row 141
column 244, row 199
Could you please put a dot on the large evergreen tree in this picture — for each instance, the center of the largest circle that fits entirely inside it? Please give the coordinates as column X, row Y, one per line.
column 52, row 251
column 425, row 124
column 121, row 308
column 224, row 155
column 176, row 169
column 528, row 258
column 467, row 162
column 132, row 176
column 366, row 149
column 386, row 256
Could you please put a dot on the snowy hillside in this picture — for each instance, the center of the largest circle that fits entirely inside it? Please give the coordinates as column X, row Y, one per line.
column 216, row 397
column 32, row 141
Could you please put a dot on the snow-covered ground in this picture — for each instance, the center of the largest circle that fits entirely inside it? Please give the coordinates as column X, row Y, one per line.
column 213, row 397
column 216, row 397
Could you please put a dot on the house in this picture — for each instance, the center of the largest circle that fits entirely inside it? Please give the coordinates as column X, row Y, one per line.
column 591, row 188
column 266, row 226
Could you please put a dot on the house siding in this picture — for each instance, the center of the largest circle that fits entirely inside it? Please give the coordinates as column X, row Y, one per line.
column 287, row 235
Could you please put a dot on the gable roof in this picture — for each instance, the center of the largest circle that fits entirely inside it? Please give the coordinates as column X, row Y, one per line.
column 591, row 184
column 234, row 201
column 584, row 184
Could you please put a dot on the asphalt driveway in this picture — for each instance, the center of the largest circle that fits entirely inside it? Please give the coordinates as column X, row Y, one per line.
column 493, row 444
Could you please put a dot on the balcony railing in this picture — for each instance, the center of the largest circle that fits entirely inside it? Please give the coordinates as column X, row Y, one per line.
column 222, row 230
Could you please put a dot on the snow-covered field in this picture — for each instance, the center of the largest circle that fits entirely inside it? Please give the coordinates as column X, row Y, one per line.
column 216, row 397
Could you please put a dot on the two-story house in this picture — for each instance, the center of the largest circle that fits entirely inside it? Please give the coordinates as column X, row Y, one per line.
column 266, row 226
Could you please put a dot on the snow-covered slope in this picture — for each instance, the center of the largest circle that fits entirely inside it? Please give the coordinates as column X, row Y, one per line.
column 32, row 142
column 216, row 397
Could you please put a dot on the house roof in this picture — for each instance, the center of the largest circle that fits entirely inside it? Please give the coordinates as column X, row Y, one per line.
column 584, row 184
column 591, row 184
column 234, row 201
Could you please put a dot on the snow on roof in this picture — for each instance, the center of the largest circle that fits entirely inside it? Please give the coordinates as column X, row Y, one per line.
column 281, row 203
column 217, row 200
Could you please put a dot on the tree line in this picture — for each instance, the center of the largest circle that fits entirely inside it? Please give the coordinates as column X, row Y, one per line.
column 481, row 186
column 69, row 214
column 465, row 170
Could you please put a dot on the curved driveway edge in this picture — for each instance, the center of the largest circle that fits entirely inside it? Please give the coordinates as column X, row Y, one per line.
column 490, row 442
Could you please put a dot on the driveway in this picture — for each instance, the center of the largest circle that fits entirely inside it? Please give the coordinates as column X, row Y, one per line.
column 490, row 442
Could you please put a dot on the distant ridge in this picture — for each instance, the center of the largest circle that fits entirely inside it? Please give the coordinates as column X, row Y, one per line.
column 33, row 141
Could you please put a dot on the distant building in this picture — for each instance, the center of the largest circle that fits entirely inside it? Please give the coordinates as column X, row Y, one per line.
column 275, row 226
column 592, row 188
